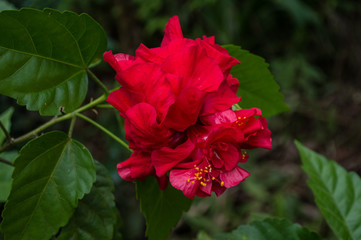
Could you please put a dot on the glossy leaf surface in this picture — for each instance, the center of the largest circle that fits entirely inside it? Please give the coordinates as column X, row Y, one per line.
column 337, row 193
column 46, row 54
column 257, row 87
column 51, row 173
column 96, row 214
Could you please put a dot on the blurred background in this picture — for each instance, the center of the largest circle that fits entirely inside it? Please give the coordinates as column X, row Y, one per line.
column 314, row 51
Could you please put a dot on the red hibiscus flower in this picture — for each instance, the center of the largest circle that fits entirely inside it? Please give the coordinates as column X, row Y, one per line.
column 176, row 100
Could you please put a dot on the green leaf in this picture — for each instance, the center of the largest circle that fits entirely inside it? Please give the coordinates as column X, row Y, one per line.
column 270, row 229
column 46, row 54
column 5, row 119
column 51, row 173
column 337, row 193
column 257, row 87
column 162, row 209
column 96, row 214
column 5, row 175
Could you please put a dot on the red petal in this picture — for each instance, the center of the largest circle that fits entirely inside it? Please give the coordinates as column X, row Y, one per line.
column 166, row 158
column 179, row 179
column 225, row 117
column 119, row 61
column 195, row 68
column 122, row 99
column 262, row 139
column 230, row 157
column 220, row 100
column 223, row 59
column 142, row 128
column 234, row 177
column 172, row 31
column 185, row 111
column 137, row 167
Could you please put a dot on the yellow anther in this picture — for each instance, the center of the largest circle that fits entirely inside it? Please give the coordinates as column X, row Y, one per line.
column 205, row 170
column 222, row 184
column 202, row 170
column 195, row 165
column 193, row 182
column 239, row 118
column 197, row 168
column 213, row 178
column 244, row 117
column 188, row 180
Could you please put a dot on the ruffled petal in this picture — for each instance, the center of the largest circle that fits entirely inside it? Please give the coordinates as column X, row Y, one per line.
column 142, row 128
column 220, row 100
column 233, row 177
column 137, row 167
column 166, row 158
column 122, row 99
column 179, row 179
column 262, row 139
column 195, row 68
column 172, row 31
column 185, row 111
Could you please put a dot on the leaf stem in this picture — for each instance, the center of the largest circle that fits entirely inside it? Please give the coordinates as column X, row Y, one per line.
column 53, row 121
column 8, row 137
column 71, row 128
column 97, row 80
column 6, row 162
column 104, row 130
column 104, row 106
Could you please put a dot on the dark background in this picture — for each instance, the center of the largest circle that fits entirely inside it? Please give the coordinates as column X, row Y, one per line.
column 314, row 52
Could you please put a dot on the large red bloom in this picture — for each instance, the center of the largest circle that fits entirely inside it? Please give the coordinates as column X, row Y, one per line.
column 176, row 100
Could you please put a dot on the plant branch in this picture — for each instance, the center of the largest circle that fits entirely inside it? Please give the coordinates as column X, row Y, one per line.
column 104, row 106
column 8, row 137
column 6, row 162
column 72, row 123
column 53, row 121
column 97, row 80
column 104, row 130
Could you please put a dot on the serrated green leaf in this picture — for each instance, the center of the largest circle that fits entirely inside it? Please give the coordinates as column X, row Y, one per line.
column 257, row 87
column 46, row 54
column 96, row 214
column 162, row 209
column 5, row 175
column 5, row 119
column 337, row 193
column 270, row 229
column 51, row 173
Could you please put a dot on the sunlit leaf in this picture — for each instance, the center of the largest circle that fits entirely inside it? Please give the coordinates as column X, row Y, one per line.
column 162, row 209
column 337, row 193
column 96, row 214
column 257, row 87
column 5, row 119
column 5, row 174
column 51, row 173
column 270, row 229
column 44, row 56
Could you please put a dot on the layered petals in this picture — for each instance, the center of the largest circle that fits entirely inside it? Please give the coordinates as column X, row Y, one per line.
column 177, row 103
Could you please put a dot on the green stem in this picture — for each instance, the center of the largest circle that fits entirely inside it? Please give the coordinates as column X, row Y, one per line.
column 97, row 80
column 104, row 130
column 6, row 162
column 104, row 106
column 72, row 123
column 53, row 121
column 8, row 137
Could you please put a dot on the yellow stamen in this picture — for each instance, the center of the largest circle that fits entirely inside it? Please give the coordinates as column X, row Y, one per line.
column 222, row 184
